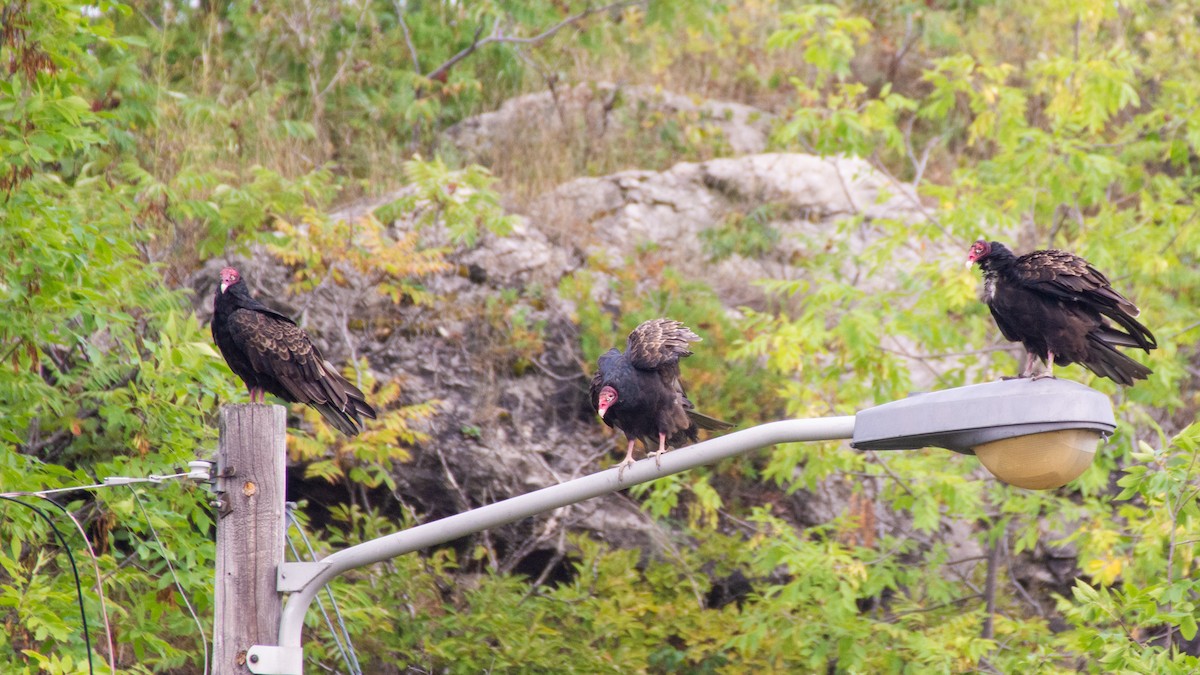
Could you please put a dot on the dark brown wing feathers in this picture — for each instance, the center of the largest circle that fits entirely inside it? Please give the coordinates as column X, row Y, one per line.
column 270, row 352
column 1069, row 277
column 659, row 342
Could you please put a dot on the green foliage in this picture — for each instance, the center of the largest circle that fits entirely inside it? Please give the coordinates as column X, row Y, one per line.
column 106, row 371
column 369, row 458
column 826, row 35
column 460, row 202
column 813, row 619
column 750, row 235
column 321, row 250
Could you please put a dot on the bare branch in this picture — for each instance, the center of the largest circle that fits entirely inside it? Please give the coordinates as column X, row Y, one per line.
column 412, row 49
column 498, row 37
column 441, row 70
column 878, row 459
column 465, row 505
column 912, row 198
column 989, row 591
column 934, row 608
column 349, row 53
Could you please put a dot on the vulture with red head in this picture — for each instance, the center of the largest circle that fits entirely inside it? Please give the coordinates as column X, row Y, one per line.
column 640, row 393
column 1062, row 310
column 272, row 354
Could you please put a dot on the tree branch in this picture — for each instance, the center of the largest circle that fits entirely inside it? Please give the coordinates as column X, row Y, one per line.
column 989, row 591
column 412, row 49
column 497, row 36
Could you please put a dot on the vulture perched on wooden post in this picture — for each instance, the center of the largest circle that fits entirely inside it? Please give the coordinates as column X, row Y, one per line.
column 1060, row 307
column 639, row 392
column 272, row 354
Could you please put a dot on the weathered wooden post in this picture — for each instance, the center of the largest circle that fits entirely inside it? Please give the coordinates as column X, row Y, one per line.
column 250, row 532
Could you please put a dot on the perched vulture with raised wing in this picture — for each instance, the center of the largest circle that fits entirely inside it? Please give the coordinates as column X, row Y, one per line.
column 1062, row 309
column 272, row 354
column 639, row 392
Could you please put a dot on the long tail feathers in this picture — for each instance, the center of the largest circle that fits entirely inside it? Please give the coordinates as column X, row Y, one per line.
column 705, row 422
column 1104, row 360
column 346, row 418
column 1138, row 335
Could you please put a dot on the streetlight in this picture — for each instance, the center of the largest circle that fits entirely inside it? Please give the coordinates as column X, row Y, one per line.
column 1034, row 434
column 1037, row 434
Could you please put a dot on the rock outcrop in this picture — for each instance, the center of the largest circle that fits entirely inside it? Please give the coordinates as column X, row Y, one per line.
column 602, row 110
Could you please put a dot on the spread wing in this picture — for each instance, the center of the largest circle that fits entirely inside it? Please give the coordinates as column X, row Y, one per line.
column 658, row 344
column 1068, row 277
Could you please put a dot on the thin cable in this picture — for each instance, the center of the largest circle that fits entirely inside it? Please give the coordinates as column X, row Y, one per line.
column 329, row 591
column 110, row 481
column 112, row 654
column 175, row 577
column 328, row 622
column 42, row 493
column 87, row 640
column 350, row 657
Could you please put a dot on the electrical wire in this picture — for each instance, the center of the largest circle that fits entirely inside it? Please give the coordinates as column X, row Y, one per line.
column 348, row 653
column 112, row 654
column 321, row 606
column 110, row 481
column 175, row 577
column 87, row 640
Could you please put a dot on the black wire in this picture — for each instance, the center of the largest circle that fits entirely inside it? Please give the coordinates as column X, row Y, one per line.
column 87, row 640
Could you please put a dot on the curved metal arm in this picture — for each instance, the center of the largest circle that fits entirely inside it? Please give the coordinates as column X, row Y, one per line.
column 547, row 499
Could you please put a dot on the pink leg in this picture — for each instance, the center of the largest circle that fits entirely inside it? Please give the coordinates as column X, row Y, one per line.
column 1029, row 361
column 1026, row 371
column 662, row 447
column 1049, row 367
column 627, row 461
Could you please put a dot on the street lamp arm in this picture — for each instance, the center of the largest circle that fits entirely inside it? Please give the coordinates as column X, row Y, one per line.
column 547, row 499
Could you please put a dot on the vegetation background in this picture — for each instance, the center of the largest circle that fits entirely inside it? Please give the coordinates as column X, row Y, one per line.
column 139, row 139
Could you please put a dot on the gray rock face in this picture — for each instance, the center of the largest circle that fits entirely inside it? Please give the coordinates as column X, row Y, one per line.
column 796, row 199
column 601, row 110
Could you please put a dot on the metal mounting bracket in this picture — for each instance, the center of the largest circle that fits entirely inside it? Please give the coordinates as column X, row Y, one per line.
column 292, row 577
column 271, row 660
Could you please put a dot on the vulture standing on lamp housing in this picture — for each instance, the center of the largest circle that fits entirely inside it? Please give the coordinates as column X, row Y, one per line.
column 1062, row 310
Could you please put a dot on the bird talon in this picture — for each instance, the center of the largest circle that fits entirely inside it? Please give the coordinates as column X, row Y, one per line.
column 625, row 463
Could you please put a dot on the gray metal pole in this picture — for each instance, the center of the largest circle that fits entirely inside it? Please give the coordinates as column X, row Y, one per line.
column 547, row 499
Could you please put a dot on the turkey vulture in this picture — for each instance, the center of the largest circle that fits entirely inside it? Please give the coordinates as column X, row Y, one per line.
column 272, row 354
column 639, row 392
column 1059, row 306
